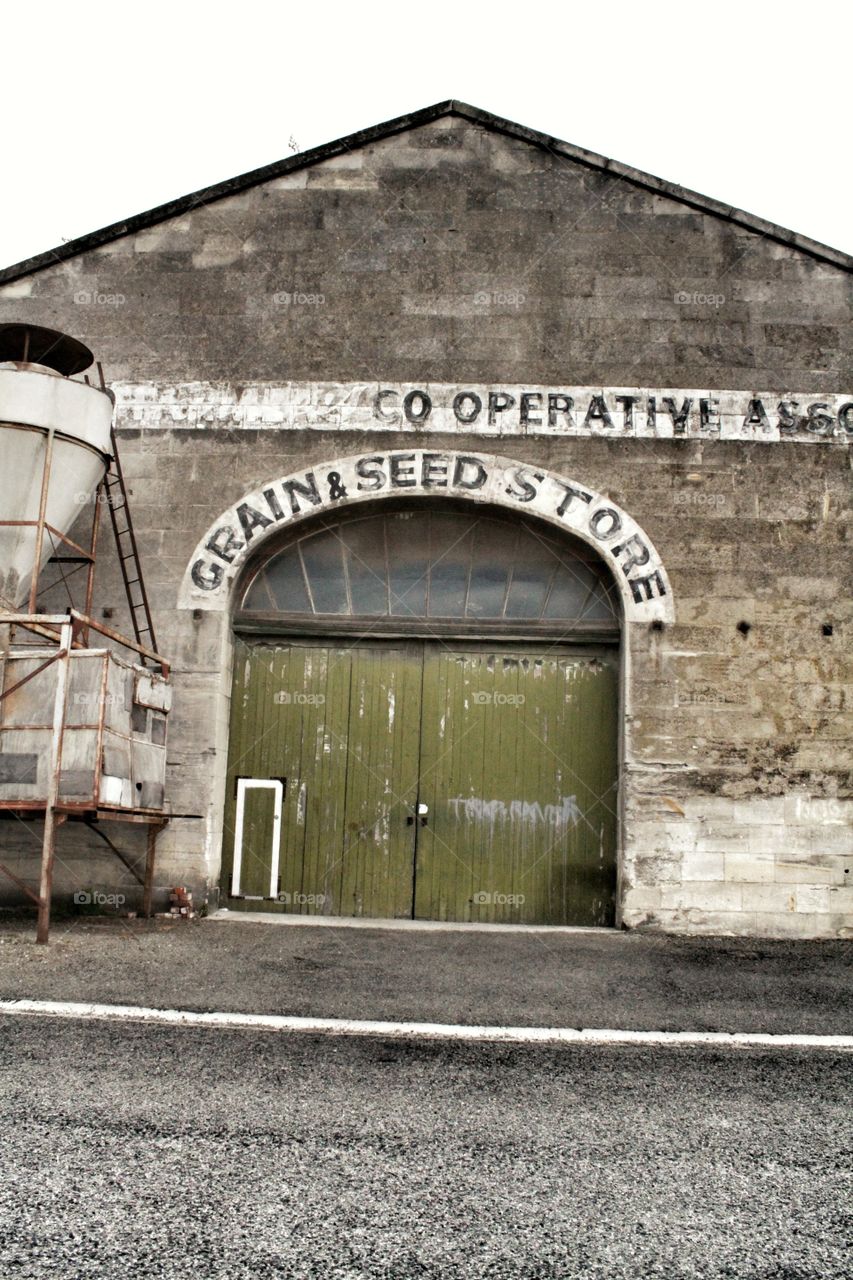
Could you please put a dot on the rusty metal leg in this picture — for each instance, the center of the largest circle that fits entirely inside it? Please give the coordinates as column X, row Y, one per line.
column 148, row 887
column 51, row 818
column 52, row 821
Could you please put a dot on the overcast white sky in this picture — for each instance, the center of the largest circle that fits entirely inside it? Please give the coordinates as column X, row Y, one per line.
column 111, row 108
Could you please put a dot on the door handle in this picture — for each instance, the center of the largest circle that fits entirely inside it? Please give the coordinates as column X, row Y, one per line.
column 421, row 811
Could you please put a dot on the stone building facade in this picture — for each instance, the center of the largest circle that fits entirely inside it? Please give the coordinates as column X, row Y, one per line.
column 450, row 309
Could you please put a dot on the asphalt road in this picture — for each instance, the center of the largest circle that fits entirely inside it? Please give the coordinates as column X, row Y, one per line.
column 135, row 1150
column 634, row 981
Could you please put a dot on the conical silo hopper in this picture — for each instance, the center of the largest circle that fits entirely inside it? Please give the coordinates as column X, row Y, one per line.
column 54, row 449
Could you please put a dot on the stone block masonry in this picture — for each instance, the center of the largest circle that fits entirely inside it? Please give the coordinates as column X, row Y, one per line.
column 455, row 287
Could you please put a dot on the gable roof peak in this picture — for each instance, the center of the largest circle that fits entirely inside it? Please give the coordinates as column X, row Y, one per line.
column 416, row 120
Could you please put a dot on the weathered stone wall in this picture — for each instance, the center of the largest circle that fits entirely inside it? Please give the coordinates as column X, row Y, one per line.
column 455, row 254
column 452, row 252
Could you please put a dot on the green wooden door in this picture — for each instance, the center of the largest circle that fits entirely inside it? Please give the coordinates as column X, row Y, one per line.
column 519, row 773
column 332, row 732
column 512, row 753
column 379, row 836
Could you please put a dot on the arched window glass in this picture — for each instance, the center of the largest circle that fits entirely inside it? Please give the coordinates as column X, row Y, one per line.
column 441, row 565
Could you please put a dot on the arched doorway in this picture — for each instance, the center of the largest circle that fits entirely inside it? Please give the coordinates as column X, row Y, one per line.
column 425, row 720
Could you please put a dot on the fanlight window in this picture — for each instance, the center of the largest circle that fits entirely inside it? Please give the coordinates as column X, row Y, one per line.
column 439, row 565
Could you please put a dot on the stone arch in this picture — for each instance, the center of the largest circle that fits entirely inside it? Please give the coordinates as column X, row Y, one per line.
column 532, row 491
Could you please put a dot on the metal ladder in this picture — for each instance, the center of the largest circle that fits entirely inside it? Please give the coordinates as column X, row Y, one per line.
column 115, row 494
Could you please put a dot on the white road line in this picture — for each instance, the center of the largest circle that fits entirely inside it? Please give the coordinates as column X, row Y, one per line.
column 418, row 1030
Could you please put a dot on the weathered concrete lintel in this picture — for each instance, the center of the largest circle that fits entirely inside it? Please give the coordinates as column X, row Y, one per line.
column 568, row 412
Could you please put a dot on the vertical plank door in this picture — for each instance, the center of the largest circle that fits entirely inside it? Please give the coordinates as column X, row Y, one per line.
column 338, row 725
column 519, row 773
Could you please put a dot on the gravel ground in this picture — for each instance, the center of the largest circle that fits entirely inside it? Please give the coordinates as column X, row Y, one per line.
column 621, row 980
column 132, row 1150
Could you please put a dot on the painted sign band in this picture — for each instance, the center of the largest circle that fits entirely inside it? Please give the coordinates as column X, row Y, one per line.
column 610, row 412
